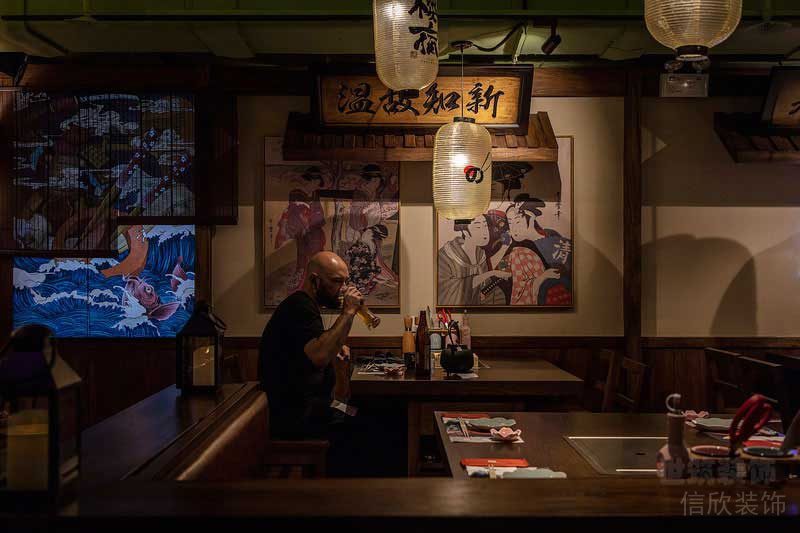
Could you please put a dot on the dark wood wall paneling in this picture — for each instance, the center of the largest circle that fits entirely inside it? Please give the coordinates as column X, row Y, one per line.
column 120, row 373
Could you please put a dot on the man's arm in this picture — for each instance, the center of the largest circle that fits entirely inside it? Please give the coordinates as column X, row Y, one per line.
column 325, row 347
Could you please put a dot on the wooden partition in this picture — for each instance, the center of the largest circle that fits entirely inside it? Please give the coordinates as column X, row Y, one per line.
column 118, row 374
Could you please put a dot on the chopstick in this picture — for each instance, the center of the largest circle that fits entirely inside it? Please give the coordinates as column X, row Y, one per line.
column 463, row 427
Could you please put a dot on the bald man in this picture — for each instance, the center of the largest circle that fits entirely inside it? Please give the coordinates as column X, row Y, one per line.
column 297, row 354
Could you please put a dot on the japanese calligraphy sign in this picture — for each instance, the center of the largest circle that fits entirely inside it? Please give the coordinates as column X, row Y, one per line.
column 493, row 96
column 782, row 105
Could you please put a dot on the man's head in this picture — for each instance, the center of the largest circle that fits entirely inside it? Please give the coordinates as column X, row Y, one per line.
column 326, row 274
column 522, row 217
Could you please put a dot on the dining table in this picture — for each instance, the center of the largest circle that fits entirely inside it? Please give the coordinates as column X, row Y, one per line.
column 513, row 384
column 582, row 445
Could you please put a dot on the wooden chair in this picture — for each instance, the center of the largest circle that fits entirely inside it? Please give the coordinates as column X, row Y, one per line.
column 296, row 459
column 723, row 381
column 624, row 383
column 242, row 449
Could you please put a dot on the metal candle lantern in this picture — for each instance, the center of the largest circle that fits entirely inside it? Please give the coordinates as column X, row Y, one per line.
column 39, row 422
column 199, row 346
column 406, row 44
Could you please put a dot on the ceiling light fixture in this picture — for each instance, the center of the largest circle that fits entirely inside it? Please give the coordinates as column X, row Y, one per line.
column 406, row 44
column 552, row 42
column 462, row 163
column 692, row 27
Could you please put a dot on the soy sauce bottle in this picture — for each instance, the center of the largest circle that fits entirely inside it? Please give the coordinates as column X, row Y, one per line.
column 423, row 348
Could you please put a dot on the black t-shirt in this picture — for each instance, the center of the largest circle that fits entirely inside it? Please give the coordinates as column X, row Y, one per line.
column 299, row 393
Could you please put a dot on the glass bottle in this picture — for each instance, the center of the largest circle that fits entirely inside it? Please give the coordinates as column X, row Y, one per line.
column 423, row 348
column 466, row 331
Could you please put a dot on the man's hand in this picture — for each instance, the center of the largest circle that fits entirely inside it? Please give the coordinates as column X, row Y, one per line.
column 341, row 366
column 344, row 354
column 352, row 300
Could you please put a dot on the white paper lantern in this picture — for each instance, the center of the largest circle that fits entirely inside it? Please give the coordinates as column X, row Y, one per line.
column 406, row 43
column 691, row 27
column 462, row 169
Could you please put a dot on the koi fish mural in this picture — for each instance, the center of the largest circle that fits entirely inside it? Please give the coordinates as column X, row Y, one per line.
column 147, row 291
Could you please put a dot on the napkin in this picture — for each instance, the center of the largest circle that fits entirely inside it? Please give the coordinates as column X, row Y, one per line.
column 465, row 416
column 496, row 462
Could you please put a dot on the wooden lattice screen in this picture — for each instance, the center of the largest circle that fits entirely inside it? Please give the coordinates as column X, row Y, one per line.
column 75, row 165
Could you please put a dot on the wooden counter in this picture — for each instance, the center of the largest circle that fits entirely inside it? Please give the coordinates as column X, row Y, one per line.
column 424, row 504
column 126, row 499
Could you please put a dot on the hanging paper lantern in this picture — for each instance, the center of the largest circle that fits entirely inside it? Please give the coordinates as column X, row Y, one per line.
column 462, row 169
column 691, row 27
column 406, row 43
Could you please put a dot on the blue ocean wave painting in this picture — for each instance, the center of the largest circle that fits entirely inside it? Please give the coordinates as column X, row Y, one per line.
column 147, row 291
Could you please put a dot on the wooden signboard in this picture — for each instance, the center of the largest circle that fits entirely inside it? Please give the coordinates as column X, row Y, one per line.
column 354, row 98
column 782, row 105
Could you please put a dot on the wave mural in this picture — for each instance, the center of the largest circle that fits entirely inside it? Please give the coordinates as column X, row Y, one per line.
column 147, row 291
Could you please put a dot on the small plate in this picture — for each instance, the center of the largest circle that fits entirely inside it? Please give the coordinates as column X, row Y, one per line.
column 710, row 450
column 713, row 424
column 487, row 424
column 765, row 451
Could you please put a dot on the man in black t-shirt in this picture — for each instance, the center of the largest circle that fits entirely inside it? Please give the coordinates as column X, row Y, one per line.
column 296, row 355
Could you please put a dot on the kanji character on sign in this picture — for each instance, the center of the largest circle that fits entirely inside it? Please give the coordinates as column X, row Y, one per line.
column 436, row 100
column 394, row 102
column 355, row 100
column 428, row 40
column 484, row 99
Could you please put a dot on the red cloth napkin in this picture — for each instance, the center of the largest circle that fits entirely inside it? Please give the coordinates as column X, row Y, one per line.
column 763, row 443
column 465, row 416
column 520, row 463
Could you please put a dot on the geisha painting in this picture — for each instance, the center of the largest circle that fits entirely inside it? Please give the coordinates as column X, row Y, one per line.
column 519, row 252
column 351, row 208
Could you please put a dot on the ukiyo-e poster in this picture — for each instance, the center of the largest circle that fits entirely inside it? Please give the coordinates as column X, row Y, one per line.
column 519, row 253
column 349, row 207
column 78, row 155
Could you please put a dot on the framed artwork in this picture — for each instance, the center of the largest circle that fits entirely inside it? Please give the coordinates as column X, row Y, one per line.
column 80, row 160
column 519, row 253
column 350, row 208
column 146, row 290
column 782, row 105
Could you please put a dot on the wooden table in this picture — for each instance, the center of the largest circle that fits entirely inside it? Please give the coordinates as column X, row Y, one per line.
column 545, row 445
column 510, row 385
